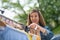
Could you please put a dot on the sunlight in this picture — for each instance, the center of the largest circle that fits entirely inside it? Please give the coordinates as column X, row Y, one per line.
column 8, row 14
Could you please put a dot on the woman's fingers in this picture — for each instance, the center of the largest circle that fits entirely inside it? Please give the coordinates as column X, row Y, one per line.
column 33, row 25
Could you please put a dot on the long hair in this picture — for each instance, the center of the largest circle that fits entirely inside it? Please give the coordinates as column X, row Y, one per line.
column 41, row 19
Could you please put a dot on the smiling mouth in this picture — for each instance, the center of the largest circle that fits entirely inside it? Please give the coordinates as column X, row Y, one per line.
column 34, row 21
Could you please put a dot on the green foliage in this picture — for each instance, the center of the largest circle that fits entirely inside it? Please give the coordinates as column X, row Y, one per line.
column 50, row 10
column 17, row 6
column 22, row 18
column 55, row 30
column 5, row 0
column 5, row 7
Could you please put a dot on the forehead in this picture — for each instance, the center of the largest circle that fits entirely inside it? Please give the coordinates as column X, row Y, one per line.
column 34, row 13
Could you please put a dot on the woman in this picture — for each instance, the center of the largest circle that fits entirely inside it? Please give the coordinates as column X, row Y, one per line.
column 36, row 22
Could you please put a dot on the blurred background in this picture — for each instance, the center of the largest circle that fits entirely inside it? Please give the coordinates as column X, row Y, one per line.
column 18, row 10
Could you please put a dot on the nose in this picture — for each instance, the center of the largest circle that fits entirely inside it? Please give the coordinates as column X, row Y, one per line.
column 33, row 18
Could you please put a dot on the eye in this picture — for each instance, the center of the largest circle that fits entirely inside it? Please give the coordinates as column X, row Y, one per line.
column 35, row 15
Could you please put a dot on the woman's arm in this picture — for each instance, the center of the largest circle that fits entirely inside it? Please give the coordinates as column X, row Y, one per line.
column 49, row 34
column 46, row 32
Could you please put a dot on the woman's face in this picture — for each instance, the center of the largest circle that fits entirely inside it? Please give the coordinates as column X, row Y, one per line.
column 34, row 17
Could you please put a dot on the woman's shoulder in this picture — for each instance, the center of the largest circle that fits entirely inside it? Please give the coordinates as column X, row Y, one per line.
column 47, row 27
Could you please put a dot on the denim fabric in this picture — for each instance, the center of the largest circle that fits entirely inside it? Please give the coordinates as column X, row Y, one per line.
column 56, row 37
column 10, row 34
column 48, row 35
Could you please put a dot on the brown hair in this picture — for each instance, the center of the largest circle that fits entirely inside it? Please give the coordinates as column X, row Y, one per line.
column 41, row 19
column 2, row 23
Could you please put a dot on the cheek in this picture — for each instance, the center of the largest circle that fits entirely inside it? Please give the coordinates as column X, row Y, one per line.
column 31, row 19
column 37, row 18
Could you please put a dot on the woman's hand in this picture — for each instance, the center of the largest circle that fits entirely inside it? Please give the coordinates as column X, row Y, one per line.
column 34, row 29
column 33, row 25
column 43, row 30
column 37, row 27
